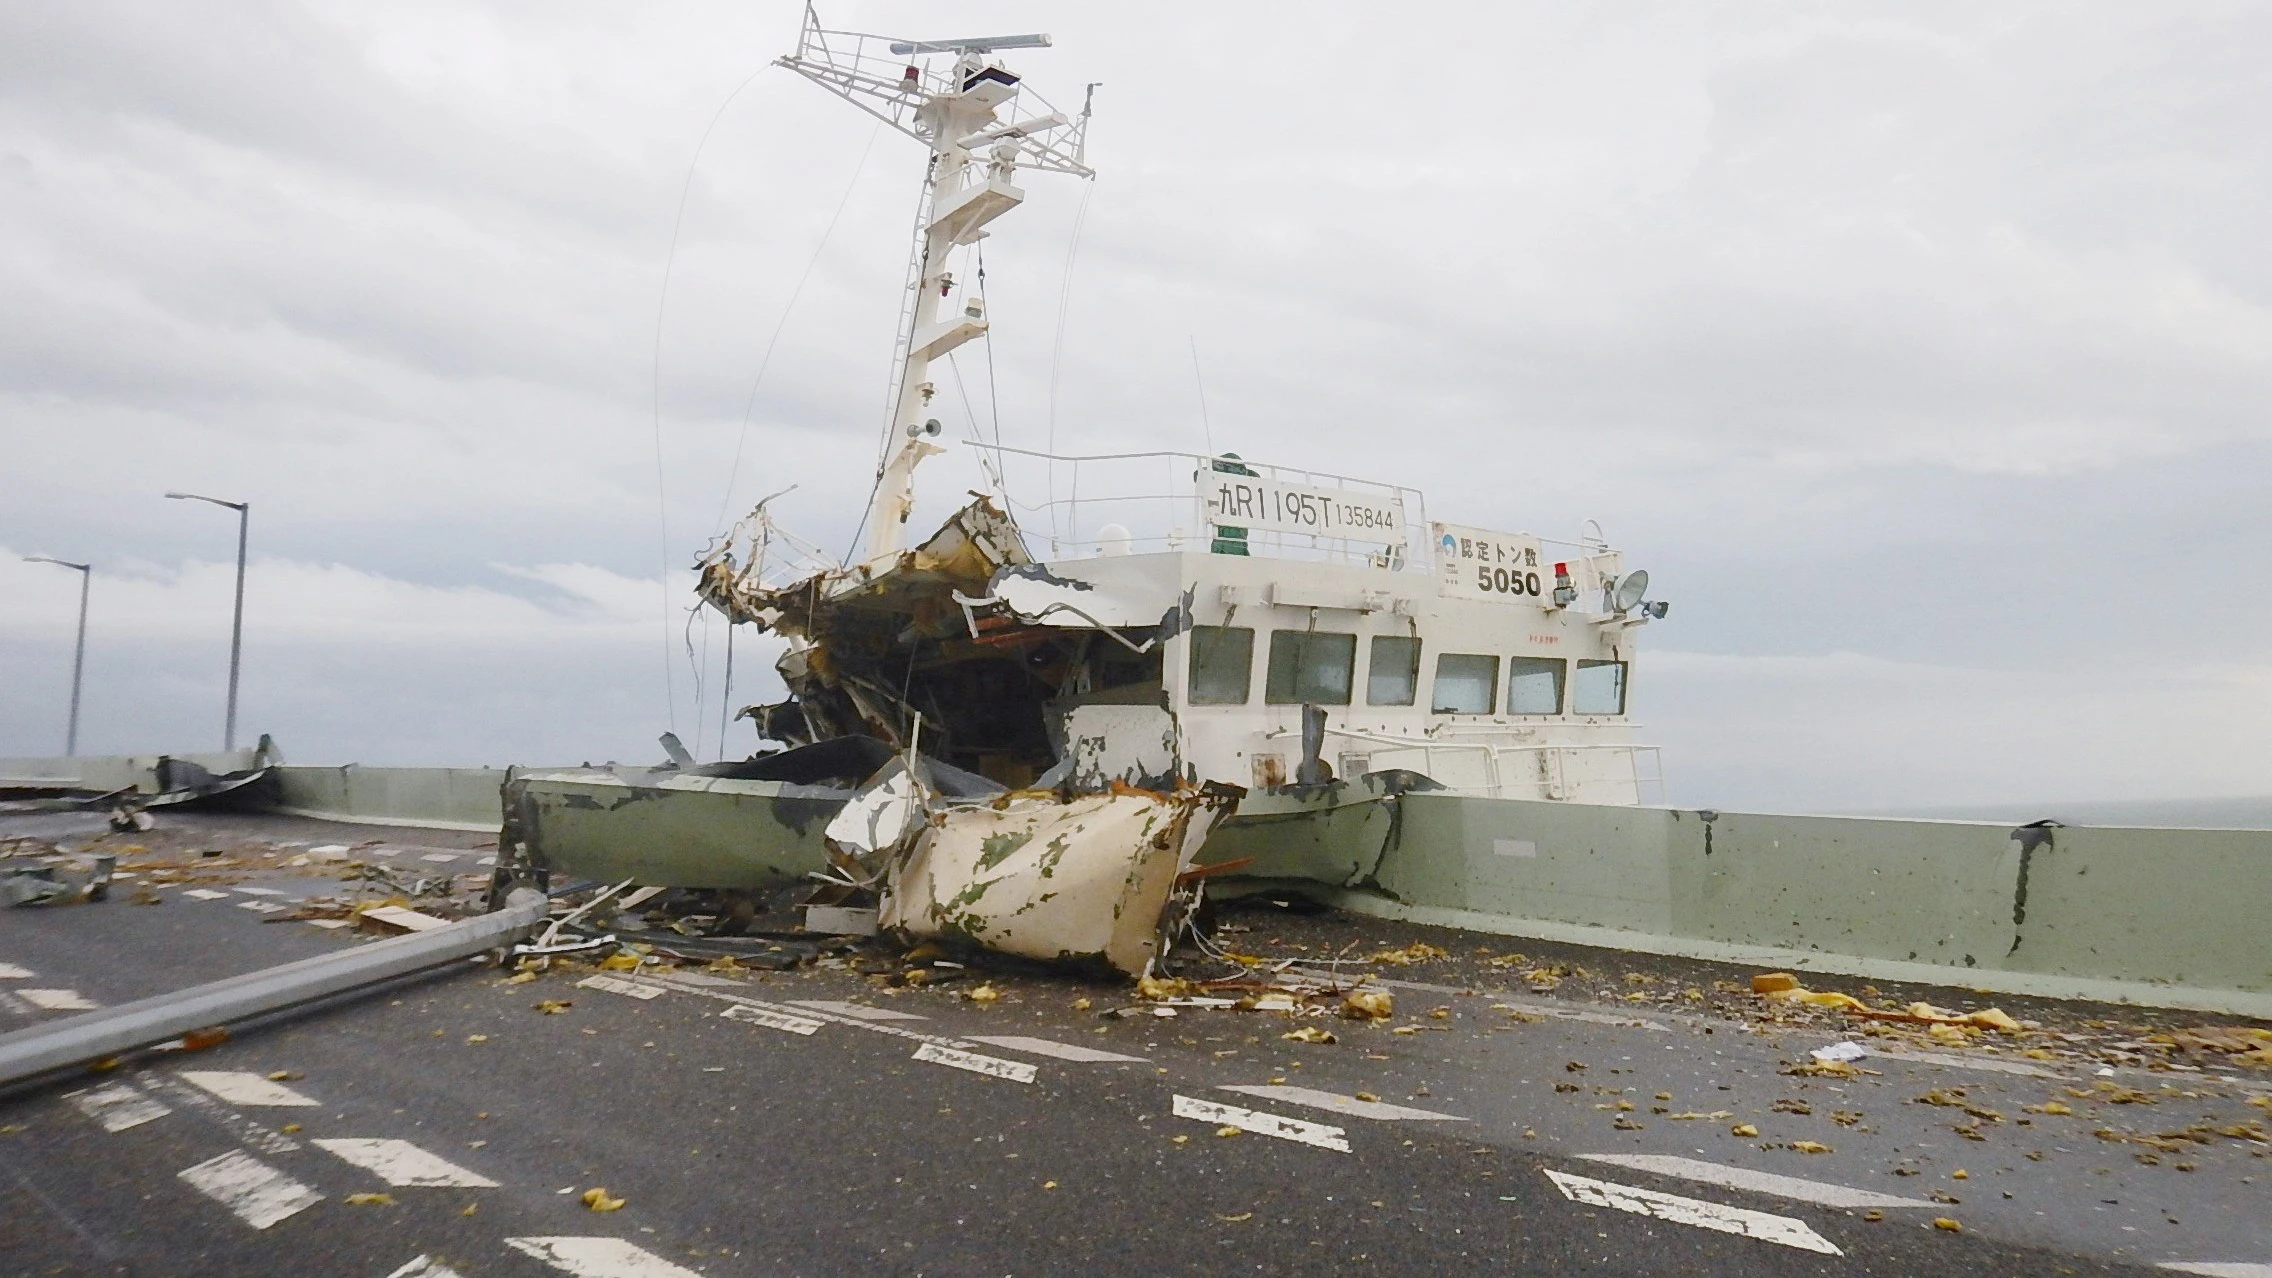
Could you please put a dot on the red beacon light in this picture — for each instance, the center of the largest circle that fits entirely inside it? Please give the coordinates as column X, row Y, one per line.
column 1565, row 591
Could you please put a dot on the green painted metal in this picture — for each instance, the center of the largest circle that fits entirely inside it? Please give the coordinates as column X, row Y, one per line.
column 1332, row 834
column 434, row 798
column 662, row 828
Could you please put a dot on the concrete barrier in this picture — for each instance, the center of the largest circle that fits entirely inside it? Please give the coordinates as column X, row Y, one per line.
column 112, row 772
column 430, row 798
column 2170, row 918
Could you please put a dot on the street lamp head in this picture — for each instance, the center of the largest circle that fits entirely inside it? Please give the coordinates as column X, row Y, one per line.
column 62, row 563
column 233, row 505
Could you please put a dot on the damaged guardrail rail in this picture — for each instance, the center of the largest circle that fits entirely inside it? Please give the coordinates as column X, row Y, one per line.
column 42, row 1049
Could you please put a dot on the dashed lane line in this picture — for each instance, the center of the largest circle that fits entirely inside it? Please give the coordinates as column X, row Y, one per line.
column 261, row 891
column 1987, row 1063
column 425, row 1267
column 857, row 1011
column 244, row 1129
column 398, row 1162
column 1356, row 1107
column 118, row 1106
column 1764, row 1226
column 239, row 1087
column 598, row 1258
column 58, row 1000
column 257, row 1193
column 1054, row 1049
column 773, row 1020
column 204, row 894
column 1262, row 1124
column 2218, row 1268
column 992, row 1066
column 264, row 907
column 1808, row 1191
column 10, row 972
column 440, row 858
column 617, row 985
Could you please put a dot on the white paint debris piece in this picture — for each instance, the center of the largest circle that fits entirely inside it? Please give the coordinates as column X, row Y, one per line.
column 992, row 1066
column 398, row 918
column 259, row 1194
column 205, row 894
column 2218, row 1268
column 10, row 972
column 328, row 923
column 487, row 860
column 263, row 907
column 440, row 858
column 260, row 891
column 598, row 1258
column 398, row 1162
column 1806, row 1191
column 59, row 1000
column 1261, row 1124
column 1846, row 1051
column 1274, row 1003
column 617, row 985
column 1051, row 1048
column 1781, row 1230
column 772, row 1019
column 1338, row 1103
column 323, row 848
column 425, row 1267
column 118, row 1106
column 239, row 1087
column 859, row 1011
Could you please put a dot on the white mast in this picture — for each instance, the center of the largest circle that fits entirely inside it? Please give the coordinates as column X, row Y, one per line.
column 968, row 118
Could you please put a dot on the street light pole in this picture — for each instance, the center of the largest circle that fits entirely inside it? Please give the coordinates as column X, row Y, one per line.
column 237, row 628
column 79, row 653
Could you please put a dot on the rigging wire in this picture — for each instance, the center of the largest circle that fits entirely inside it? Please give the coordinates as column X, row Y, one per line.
column 655, row 390
column 993, row 396
column 726, row 691
column 1205, row 424
column 1057, row 346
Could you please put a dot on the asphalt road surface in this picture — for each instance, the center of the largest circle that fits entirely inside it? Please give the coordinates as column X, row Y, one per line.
column 819, row 1122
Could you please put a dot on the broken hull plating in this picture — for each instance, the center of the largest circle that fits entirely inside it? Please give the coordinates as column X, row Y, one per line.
column 663, row 828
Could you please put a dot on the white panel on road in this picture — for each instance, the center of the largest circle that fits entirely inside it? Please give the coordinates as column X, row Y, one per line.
column 59, row 1000
column 2217, row 1268
column 617, row 985
column 327, row 923
column 440, row 858
column 259, row 1194
column 1050, row 1047
column 487, row 860
column 118, row 1106
column 204, row 894
column 255, row 891
column 425, row 1267
column 992, row 1066
column 598, row 1258
column 240, row 1088
column 10, row 972
column 1782, row 1230
column 398, row 1162
column 860, row 1011
column 1261, row 1124
column 1336, row 1102
column 771, row 1019
column 1806, row 1191
column 265, row 907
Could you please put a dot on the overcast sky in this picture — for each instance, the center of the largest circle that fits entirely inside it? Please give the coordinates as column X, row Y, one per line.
column 1923, row 359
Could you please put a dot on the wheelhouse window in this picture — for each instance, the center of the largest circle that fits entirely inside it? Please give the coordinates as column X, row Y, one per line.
column 1600, row 688
column 1222, row 665
column 1392, row 672
column 1534, row 684
column 1310, row 667
column 1466, row 683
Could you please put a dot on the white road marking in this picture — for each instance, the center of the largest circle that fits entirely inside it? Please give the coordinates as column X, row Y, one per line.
column 10, row 972
column 598, row 1258
column 702, row 978
column 440, row 858
column 2218, row 1268
column 1543, row 1007
column 1782, row 1230
column 487, row 860
column 259, row 1194
column 772, row 1020
column 993, row 1066
column 241, row 1088
column 1261, row 1124
column 260, row 891
column 858, row 1011
column 398, row 1162
column 1049, row 1047
column 118, row 1106
column 330, row 847
column 244, row 1129
column 617, row 985
column 265, row 907
column 425, row 1267
column 204, row 894
column 327, row 923
column 1809, row 1191
column 1988, row 1063
column 1339, row 1104
column 59, row 1000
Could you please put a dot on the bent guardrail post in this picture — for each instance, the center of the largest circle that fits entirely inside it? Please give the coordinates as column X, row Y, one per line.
column 40, row 1049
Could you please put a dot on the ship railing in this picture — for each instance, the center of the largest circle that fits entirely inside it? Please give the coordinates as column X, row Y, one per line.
column 1158, row 499
column 1549, row 763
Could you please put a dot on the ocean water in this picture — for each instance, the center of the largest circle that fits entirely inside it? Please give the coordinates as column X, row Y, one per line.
column 2248, row 812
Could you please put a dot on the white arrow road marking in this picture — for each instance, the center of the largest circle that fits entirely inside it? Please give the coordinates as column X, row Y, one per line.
column 2217, row 1268
column 1048, row 1047
column 259, row 1194
column 59, row 1000
column 1339, row 1104
column 617, row 985
column 10, row 972
column 425, row 1267
column 858, row 1011
column 1261, row 1124
column 118, row 1106
column 240, row 1088
column 204, row 894
column 772, row 1019
column 993, row 1066
column 398, row 1162
column 1807, row 1191
column 598, row 1258
column 1692, row 1211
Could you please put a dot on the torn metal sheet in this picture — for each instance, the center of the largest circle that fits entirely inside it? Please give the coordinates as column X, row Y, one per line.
column 1085, row 879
